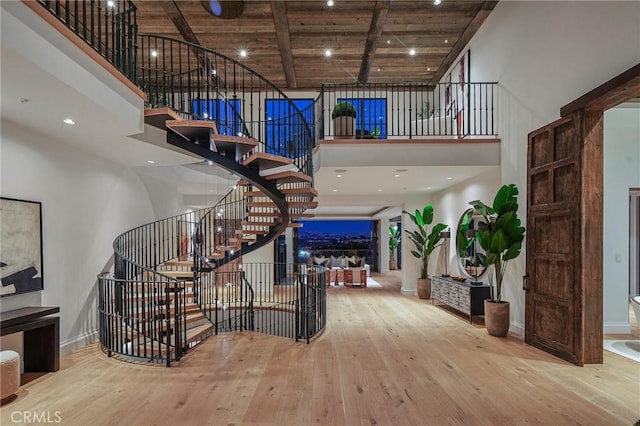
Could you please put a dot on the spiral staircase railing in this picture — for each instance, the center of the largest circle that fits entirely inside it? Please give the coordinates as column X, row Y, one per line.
column 165, row 268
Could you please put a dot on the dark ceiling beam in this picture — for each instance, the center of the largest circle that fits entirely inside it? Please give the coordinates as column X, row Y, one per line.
column 375, row 31
column 279, row 10
column 171, row 8
column 472, row 28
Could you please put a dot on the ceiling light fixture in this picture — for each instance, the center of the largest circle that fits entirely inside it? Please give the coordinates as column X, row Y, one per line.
column 111, row 3
column 412, row 52
column 449, row 178
column 437, row 2
column 446, row 41
column 154, row 53
column 327, row 53
column 379, row 190
column 378, row 69
column 330, row 3
column 388, row 41
column 396, row 175
column 334, row 190
column 243, row 53
column 68, row 121
column 151, row 162
column 339, row 176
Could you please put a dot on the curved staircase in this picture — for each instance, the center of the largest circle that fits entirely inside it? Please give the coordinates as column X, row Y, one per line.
column 181, row 279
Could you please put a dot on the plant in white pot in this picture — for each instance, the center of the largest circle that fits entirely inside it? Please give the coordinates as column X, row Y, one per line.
column 394, row 240
column 425, row 243
column 344, row 118
column 500, row 234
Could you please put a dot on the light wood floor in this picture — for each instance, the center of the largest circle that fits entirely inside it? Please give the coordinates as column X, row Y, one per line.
column 384, row 359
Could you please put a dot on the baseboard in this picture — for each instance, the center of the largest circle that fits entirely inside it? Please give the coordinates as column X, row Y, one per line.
column 68, row 346
column 517, row 328
column 617, row 328
column 408, row 292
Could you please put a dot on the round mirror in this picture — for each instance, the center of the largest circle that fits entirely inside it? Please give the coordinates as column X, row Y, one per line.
column 471, row 257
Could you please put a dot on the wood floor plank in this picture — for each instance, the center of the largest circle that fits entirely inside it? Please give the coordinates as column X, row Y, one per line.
column 383, row 359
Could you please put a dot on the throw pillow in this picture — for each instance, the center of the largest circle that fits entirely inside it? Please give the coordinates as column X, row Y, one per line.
column 360, row 260
column 320, row 261
column 354, row 264
column 335, row 262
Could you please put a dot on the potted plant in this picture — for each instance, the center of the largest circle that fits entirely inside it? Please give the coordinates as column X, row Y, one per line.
column 376, row 132
column 425, row 243
column 344, row 118
column 394, row 240
column 500, row 234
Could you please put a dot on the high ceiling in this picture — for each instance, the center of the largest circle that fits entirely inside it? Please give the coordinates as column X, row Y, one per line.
column 286, row 41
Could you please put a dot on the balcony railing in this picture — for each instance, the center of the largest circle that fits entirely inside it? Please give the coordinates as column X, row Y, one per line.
column 412, row 110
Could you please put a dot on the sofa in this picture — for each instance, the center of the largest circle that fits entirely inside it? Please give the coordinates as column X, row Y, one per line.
column 342, row 269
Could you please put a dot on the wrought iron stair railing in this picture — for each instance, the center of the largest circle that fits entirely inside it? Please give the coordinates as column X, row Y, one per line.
column 167, row 273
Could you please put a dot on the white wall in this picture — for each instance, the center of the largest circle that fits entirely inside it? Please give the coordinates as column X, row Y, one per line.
column 448, row 206
column 544, row 55
column 86, row 203
column 621, row 172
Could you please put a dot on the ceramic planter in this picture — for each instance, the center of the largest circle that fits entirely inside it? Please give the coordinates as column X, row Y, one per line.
column 496, row 318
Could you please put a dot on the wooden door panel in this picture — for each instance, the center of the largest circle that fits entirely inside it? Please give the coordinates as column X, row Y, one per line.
column 553, row 239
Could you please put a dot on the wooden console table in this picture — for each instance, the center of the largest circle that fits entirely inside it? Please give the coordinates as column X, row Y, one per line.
column 462, row 296
column 41, row 336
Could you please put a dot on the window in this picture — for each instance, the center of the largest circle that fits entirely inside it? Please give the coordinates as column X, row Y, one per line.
column 225, row 112
column 371, row 116
column 284, row 126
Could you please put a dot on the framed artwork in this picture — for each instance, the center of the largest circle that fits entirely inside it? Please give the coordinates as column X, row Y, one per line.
column 20, row 246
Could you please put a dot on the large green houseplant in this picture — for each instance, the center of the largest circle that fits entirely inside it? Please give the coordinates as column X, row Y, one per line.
column 500, row 235
column 394, row 241
column 425, row 243
column 344, row 117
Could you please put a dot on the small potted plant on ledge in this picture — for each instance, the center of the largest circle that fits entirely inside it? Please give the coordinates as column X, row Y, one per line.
column 500, row 234
column 425, row 243
column 344, row 118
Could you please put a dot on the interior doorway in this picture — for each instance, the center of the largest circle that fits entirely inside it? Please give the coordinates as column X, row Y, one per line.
column 634, row 242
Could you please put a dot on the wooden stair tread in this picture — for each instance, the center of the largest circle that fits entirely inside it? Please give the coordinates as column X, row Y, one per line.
column 276, row 214
column 177, row 274
column 193, row 130
column 306, row 191
column 179, row 263
column 195, row 333
column 266, row 224
column 237, row 144
column 295, row 225
column 292, row 204
column 157, row 117
column 289, row 176
column 253, row 232
column 266, row 161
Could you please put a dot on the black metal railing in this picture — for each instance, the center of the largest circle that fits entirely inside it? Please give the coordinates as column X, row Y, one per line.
column 287, row 300
column 204, row 85
column 109, row 27
column 413, row 110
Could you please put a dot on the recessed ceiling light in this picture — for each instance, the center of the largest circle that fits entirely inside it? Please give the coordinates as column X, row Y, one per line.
column 111, row 3
column 330, row 3
column 68, row 121
column 243, row 53
column 437, row 2
column 396, row 175
column 388, row 41
column 151, row 162
column 446, row 41
column 449, row 178
column 379, row 190
column 327, row 53
column 339, row 176
column 428, row 187
column 334, row 190
column 428, row 68
column 154, row 53
column 378, row 69
column 412, row 52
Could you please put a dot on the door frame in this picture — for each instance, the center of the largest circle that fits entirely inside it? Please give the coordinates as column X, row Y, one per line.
column 619, row 89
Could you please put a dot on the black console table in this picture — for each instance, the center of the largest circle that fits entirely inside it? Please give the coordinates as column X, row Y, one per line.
column 41, row 336
column 462, row 296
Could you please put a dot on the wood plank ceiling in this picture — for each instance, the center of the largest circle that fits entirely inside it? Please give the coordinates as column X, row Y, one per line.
column 286, row 41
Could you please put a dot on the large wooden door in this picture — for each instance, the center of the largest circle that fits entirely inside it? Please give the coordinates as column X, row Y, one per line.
column 553, row 298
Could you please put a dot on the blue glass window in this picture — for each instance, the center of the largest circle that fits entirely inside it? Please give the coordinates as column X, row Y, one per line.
column 284, row 126
column 371, row 115
column 226, row 114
